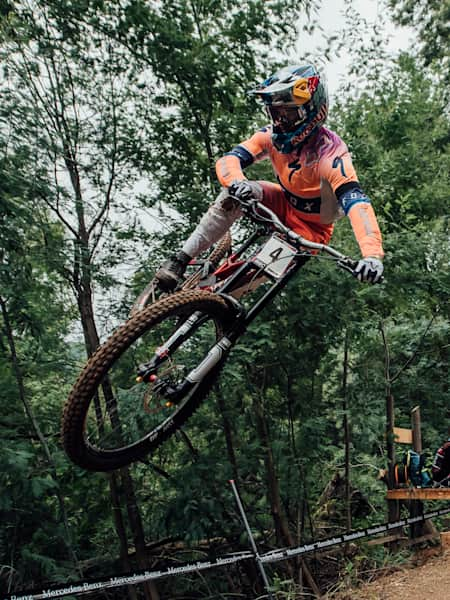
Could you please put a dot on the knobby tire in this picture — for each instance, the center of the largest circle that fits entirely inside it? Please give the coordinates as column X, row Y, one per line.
column 86, row 389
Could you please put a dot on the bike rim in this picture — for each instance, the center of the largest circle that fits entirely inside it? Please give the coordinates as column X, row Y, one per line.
column 125, row 413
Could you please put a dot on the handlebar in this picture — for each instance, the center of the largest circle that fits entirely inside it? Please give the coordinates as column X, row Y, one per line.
column 255, row 210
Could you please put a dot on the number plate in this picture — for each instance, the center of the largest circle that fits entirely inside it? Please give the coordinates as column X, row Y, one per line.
column 275, row 256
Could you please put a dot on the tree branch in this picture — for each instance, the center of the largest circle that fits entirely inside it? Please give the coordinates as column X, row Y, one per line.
column 415, row 353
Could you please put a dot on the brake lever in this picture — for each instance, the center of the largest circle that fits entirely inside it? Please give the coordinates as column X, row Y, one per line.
column 248, row 206
column 348, row 264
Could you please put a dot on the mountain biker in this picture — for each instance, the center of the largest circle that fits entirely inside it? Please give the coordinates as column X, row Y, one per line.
column 317, row 182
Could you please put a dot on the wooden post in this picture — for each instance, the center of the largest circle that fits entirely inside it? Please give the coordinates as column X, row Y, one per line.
column 390, row 447
column 393, row 505
column 416, row 506
column 417, row 429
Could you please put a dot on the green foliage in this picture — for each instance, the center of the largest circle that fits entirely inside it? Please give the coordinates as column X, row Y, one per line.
column 431, row 19
column 397, row 162
column 157, row 91
column 202, row 59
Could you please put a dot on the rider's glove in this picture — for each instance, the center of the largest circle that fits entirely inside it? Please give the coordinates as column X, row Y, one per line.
column 245, row 190
column 369, row 269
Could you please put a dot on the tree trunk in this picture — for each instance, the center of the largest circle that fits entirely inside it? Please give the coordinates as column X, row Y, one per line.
column 282, row 531
column 84, row 299
column 30, row 414
column 119, row 526
column 348, row 508
column 228, row 436
column 134, row 517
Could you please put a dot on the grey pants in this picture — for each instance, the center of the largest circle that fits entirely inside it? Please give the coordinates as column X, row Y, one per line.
column 213, row 225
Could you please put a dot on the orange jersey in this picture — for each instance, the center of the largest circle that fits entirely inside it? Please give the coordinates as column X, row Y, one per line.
column 312, row 179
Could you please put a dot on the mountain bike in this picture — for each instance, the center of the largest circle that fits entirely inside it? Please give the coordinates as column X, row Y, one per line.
column 142, row 385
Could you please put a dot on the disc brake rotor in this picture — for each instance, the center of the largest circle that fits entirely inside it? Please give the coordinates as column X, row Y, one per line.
column 155, row 402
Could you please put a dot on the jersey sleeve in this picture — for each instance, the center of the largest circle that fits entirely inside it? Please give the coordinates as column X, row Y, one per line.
column 336, row 166
column 366, row 230
column 338, row 170
column 231, row 166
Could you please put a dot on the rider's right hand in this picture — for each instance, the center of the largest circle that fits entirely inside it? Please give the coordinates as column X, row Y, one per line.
column 369, row 270
column 245, row 190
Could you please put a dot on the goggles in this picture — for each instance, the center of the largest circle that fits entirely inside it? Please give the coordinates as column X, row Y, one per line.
column 286, row 118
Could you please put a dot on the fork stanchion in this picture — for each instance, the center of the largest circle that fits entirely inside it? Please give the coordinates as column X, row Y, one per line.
column 252, row 541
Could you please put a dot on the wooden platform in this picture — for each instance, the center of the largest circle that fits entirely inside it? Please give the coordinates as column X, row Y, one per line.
column 419, row 494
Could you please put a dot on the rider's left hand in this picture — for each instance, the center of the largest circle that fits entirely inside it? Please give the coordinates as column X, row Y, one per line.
column 369, row 269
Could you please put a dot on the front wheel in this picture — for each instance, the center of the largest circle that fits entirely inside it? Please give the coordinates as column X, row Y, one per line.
column 110, row 420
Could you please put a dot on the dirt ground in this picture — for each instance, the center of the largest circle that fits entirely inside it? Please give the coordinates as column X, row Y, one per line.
column 428, row 578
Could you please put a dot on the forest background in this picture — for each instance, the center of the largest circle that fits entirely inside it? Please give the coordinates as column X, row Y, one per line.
column 112, row 115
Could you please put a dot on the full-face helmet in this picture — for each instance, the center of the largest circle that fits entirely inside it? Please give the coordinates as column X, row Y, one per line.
column 296, row 100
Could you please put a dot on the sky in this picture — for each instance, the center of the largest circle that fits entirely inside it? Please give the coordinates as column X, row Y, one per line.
column 331, row 18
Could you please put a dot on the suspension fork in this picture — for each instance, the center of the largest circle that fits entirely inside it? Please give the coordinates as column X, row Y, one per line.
column 146, row 370
column 223, row 346
column 219, row 351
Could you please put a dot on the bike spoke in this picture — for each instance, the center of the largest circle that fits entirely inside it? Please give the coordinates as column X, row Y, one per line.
column 125, row 411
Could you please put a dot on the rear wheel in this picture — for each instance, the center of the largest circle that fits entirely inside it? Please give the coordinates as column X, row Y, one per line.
column 109, row 419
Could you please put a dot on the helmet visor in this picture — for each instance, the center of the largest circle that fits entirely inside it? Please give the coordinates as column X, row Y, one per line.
column 286, row 118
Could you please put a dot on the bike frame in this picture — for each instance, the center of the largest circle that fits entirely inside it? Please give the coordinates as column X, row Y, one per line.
column 225, row 278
